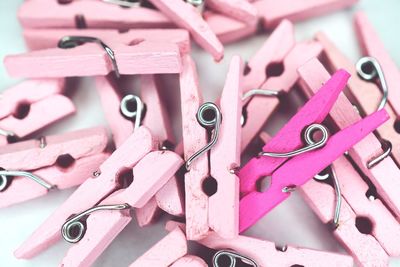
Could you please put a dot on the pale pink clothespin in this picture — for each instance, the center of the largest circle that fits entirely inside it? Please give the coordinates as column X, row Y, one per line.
column 88, row 14
column 265, row 253
column 241, row 10
column 151, row 113
column 286, row 154
column 211, row 185
column 31, row 168
column 23, row 105
column 98, row 209
column 374, row 161
column 272, row 12
column 99, row 53
column 190, row 261
column 270, row 72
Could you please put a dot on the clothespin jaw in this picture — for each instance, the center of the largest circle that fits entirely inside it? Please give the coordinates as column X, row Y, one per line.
column 357, row 204
column 384, row 171
column 186, row 16
column 60, row 161
column 239, row 9
column 24, row 106
column 272, row 12
column 210, row 190
column 256, row 249
column 91, row 192
column 256, row 204
column 88, row 14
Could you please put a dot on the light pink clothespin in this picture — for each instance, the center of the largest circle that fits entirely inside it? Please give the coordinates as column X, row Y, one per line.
column 98, row 53
column 272, row 70
column 265, row 253
column 168, row 250
column 109, row 204
column 190, row 261
column 152, row 115
column 211, row 185
column 369, row 156
column 364, row 220
column 88, row 14
column 31, row 168
column 241, row 10
column 272, row 12
column 286, row 154
column 23, row 105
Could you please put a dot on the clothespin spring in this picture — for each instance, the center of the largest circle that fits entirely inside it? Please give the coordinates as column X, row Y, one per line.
column 126, row 109
column 5, row 180
column 232, row 256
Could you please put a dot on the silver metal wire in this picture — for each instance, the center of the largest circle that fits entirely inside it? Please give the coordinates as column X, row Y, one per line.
column 199, row 4
column 387, row 146
column 336, row 185
column 5, row 174
column 7, row 133
column 369, row 69
column 73, row 230
column 73, row 41
column 255, row 92
column 125, row 3
column 136, row 114
column 233, row 257
column 311, row 144
column 208, row 116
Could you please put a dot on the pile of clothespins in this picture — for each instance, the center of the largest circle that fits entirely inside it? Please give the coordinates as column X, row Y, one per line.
column 336, row 150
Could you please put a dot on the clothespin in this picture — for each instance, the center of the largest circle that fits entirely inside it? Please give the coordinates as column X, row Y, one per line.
column 279, row 59
column 272, row 12
column 190, row 261
column 257, row 252
column 211, row 185
column 102, row 204
column 89, row 14
column 360, row 204
column 241, row 10
column 23, row 105
column 285, row 154
column 31, row 168
column 168, row 250
column 374, row 162
column 98, row 53
column 149, row 112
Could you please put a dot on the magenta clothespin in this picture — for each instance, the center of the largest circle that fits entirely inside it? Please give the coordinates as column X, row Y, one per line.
column 279, row 59
column 256, row 204
column 362, row 205
column 151, row 170
column 99, row 53
column 265, row 253
column 272, row 12
column 169, row 198
column 31, row 168
column 88, row 14
column 168, row 250
column 374, row 161
column 210, row 184
column 23, row 105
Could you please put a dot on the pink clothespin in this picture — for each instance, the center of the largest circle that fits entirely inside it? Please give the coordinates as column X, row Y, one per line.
column 285, row 154
column 149, row 112
column 374, row 162
column 257, row 252
column 89, row 14
column 272, row 12
column 106, row 204
column 241, row 10
column 23, row 105
column 98, row 53
column 190, row 261
column 31, row 168
column 211, row 185
column 362, row 204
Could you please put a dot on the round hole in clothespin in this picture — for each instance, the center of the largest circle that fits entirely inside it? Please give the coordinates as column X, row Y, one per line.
column 22, row 110
column 264, row 183
column 296, row 265
column 274, row 69
column 210, row 186
column 364, row 225
column 65, row 161
column 125, row 178
column 64, row 2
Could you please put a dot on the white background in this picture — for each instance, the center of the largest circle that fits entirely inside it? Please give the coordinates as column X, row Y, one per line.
column 290, row 223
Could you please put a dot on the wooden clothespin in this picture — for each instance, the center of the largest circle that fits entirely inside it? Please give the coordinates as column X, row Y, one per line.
column 149, row 112
column 286, row 153
column 99, row 53
column 211, row 185
column 279, row 59
column 272, row 12
column 374, row 163
column 31, row 168
column 265, row 253
column 99, row 207
column 88, row 14
column 23, row 105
